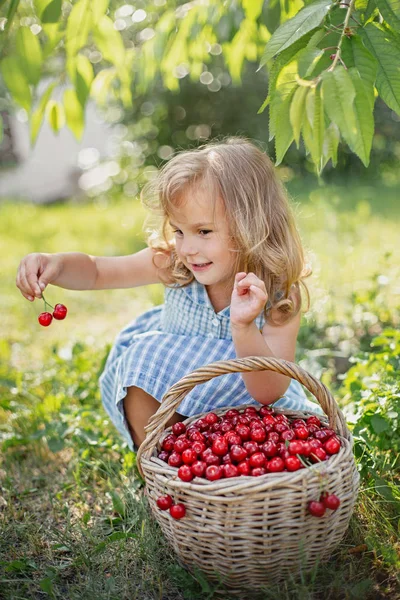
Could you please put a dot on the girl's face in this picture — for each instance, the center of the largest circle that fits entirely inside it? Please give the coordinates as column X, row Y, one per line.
column 203, row 241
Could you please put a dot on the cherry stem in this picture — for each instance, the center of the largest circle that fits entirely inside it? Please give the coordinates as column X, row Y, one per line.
column 46, row 303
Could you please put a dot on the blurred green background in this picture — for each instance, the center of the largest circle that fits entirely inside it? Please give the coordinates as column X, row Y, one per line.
column 73, row 521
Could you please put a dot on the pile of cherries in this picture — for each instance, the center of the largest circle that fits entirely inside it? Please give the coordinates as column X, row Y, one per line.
column 59, row 313
column 253, row 442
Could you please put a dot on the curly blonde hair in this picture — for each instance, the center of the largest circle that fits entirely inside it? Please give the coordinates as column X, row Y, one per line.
column 258, row 213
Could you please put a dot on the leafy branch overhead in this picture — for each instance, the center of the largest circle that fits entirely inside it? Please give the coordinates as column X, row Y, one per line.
column 327, row 61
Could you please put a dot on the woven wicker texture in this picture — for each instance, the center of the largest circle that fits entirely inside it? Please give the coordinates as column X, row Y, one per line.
column 251, row 531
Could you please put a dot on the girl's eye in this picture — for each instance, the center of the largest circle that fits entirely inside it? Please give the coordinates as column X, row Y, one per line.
column 205, row 231
column 202, row 231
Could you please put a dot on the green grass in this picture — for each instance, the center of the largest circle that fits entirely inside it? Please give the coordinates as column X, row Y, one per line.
column 73, row 519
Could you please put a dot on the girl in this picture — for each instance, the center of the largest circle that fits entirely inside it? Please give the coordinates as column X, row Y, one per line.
column 230, row 258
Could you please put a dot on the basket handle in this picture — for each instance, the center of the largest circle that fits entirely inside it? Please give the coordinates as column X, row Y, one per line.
column 178, row 391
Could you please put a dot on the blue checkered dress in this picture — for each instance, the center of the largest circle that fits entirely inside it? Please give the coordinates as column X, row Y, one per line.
column 169, row 341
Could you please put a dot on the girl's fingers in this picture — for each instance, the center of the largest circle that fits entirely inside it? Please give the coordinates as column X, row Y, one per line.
column 24, row 285
column 259, row 292
column 251, row 279
column 32, row 279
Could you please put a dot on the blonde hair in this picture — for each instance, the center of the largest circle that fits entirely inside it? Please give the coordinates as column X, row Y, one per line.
column 258, row 213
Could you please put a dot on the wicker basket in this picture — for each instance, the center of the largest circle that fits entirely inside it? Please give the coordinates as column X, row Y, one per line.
column 249, row 532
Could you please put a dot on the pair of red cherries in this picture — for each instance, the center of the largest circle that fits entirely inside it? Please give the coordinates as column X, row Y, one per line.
column 59, row 313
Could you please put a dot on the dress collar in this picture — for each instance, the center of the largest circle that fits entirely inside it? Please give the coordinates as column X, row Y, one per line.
column 198, row 293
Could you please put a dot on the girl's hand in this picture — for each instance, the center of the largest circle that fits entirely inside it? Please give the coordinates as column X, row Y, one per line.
column 35, row 271
column 249, row 297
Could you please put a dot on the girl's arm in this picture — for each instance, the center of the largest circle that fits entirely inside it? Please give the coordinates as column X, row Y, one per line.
column 273, row 341
column 248, row 299
column 78, row 271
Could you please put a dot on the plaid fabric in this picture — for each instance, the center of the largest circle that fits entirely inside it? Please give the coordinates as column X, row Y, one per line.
column 169, row 341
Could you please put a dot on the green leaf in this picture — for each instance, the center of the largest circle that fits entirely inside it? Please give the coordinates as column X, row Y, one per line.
column 383, row 45
column 46, row 585
column 16, row 82
column 306, row 20
column 38, row 114
column 102, row 85
column 286, row 83
column 355, row 54
column 29, row 53
column 78, row 27
column 297, row 109
column 252, row 8
column 99, row 8
column 109, row 41
column 364, row 117
column 307, row 59
column 314, row 126
column 74, row 113
column 55, row 444
column 338, row 96
column 11, row 12
column 118, row 504
column 48, row 11
column 390, row 10
column 80, row 71
column 55, row 115
column 379, row 424
column 330, row 145
column 383, row 489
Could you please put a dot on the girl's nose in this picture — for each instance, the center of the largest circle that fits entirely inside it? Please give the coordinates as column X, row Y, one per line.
column 188, row 247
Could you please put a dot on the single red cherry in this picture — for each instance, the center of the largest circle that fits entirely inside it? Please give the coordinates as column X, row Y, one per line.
column 220, row 446
column 258, row 471
column 244, row 431
column 296, row 447
column 197, row 447
column 270, row 449
column 302, row 433
column 238, row 453
column 232, row 438
column 164, row 455
column 214, row 472
column 198, row 468
column 164, row 502
column 288, row 435
column 211, row 418
column 189, row 456
column 258, row 434
column 257, row 460
column 265, row 410
column 195, row 435
column 318, row 454
column 330, row 501
column 178, row 428
column 316, row 509
column 177, row 511
column 185, row 473
column 332, row 445
column 276, row 464
column 60, row 312
column 181, row 444
column 313, row 420
column 244, row 467
column 250, row 446
column 210, row 458
column 45, row 318
column 230, row 470
column 175, row 459
column 168, row 443
column 292, row 463
column 231, row 413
